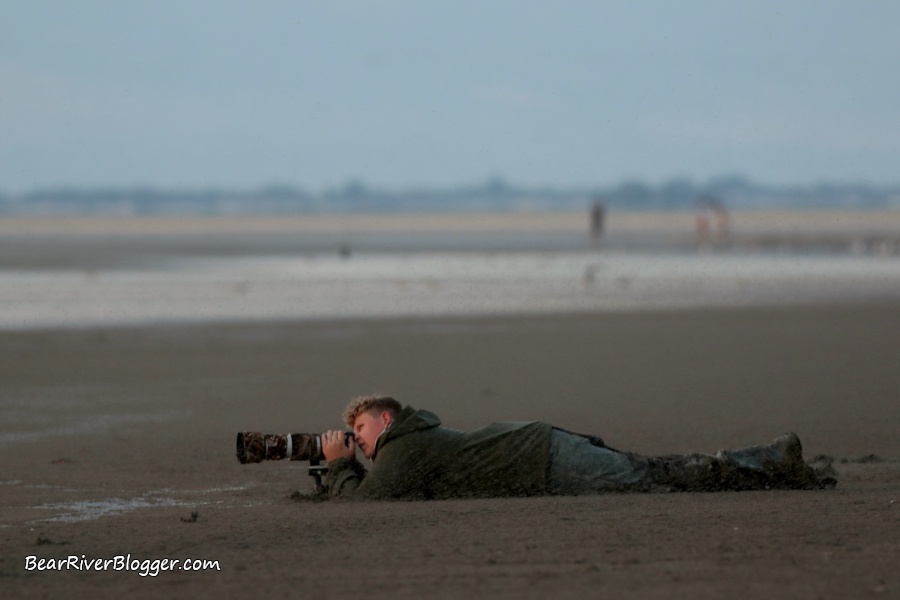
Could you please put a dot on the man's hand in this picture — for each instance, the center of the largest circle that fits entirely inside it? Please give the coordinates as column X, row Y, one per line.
column 334, row 446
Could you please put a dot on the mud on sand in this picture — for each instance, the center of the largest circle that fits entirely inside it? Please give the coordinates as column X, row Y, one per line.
column 112, row 438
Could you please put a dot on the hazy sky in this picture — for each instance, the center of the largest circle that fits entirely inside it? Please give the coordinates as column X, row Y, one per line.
column 197, row 93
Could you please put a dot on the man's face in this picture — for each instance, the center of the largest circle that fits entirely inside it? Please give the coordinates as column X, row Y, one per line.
column 368, row 427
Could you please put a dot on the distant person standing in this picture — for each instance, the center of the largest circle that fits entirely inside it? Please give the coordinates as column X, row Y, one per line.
column 711, row 220
column 598, row 213
column 702, row 219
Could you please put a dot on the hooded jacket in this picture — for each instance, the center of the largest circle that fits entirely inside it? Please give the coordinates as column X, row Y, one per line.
column 417, row 459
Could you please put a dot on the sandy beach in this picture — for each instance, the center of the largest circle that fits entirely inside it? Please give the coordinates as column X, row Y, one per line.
column 123, row 242
column 130, row 358
column 616, row 250
column 852, row 222
column 113, row 437
column 102, row 272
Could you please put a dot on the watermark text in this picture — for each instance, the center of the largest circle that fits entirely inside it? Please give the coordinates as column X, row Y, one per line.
column 144, row 568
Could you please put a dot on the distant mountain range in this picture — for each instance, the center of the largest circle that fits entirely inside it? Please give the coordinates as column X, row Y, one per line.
column 495, row 195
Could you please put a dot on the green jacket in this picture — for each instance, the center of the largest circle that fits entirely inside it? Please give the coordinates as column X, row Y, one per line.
column 417, row 459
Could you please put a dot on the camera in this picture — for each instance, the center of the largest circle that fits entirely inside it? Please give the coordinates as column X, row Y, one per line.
column 254, row 447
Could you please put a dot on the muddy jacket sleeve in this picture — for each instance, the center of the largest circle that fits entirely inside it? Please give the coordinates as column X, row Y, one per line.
column 344, row 476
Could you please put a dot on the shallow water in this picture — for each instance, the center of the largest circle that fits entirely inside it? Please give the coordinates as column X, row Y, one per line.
column 88, row 510
column 329, row 286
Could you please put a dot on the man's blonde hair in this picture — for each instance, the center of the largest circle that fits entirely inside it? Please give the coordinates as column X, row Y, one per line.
column 374, row 403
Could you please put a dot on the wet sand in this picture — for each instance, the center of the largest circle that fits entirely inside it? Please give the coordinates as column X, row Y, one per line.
column 112, row 438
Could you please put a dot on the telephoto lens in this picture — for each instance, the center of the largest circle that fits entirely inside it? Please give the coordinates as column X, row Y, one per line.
column 254, row 447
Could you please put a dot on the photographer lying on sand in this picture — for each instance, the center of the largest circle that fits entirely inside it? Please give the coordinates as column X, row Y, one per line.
column 414, row 458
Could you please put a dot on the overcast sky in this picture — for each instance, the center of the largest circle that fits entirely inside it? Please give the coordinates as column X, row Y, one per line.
column 222, row 93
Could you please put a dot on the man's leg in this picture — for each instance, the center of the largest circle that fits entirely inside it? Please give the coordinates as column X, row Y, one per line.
column 779, row 465
column 576, row 467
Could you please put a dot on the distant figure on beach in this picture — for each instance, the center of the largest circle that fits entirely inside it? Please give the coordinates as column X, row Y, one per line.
column 711, row 220
column 598, row 211
column 415, row 458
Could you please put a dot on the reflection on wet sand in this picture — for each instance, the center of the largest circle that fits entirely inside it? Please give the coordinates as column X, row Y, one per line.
column 432, row 284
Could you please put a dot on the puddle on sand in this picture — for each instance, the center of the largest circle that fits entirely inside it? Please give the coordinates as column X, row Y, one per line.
column 87, row 510
column 234, row 488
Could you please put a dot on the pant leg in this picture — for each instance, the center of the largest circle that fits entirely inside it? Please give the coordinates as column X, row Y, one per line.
column 778, row 465
column 578, row 467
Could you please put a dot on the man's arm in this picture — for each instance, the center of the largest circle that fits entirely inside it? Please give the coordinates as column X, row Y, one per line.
column 399, row 472
column 344, row 476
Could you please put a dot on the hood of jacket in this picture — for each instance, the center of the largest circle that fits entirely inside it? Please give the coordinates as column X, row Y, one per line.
column 408, row 421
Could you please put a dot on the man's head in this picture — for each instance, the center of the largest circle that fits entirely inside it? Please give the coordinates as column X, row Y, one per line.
column 368, row 416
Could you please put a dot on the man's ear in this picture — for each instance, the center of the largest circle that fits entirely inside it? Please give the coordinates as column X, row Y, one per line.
column 385, row 418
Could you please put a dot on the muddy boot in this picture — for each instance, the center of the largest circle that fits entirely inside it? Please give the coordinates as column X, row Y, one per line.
column 776, row 466
column 779, row 465
column 689, row 473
